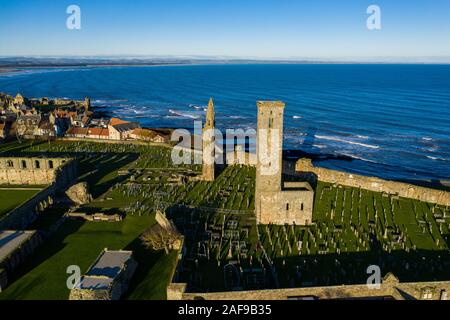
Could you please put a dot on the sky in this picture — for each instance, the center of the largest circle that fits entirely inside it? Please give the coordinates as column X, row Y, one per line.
column 261, row 29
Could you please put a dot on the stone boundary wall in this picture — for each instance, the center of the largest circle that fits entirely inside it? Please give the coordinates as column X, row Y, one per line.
column 306, row 168
column 389, row 289
column 174, row 290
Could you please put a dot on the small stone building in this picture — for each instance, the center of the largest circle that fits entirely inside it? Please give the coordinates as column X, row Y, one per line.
column 107, row 278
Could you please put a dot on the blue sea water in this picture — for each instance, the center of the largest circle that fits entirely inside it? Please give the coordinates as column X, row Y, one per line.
column 392, row 120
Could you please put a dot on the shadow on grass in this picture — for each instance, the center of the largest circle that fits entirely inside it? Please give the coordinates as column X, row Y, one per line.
column 52, row 246
column 152, row 274
column 103, row 170
column 351, row 268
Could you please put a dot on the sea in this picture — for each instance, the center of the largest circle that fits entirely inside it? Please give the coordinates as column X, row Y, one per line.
column 385, row 120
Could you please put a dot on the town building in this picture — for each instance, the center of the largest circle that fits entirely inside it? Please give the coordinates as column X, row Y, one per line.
column 120, row 129
column 148, row 135
column 98, row 133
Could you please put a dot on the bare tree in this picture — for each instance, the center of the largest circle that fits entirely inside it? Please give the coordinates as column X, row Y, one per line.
column 162, row 235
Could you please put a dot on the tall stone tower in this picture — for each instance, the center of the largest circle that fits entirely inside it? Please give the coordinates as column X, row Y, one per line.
column 87, row 103
column 269, row 147
column 277, row 202
column 208, row 143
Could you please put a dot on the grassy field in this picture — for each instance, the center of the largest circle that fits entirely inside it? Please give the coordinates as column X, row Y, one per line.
column 11, row 199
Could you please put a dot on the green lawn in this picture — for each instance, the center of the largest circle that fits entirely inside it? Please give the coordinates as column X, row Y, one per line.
column 11, row 199
column 43, row 275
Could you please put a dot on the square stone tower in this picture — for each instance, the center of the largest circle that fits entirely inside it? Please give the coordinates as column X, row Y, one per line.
column 269, row 145
column 277, row 202
column 208, row 144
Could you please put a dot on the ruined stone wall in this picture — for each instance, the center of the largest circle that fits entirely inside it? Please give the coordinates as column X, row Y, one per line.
column 25, row 214
column 85, row 294
column 62, row 177
column 306, row 168
column 12, row 261
column 398, row 291
column 3, row 279
column 30, row 171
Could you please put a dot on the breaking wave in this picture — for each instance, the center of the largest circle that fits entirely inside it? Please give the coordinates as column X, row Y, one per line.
column 184, row 115
column 358, row 158
column 338, row 139
column 438, row 158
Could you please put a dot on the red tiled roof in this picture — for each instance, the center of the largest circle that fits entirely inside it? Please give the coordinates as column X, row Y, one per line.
column 116, row 121
column 98, row 132
column 88, row 131
column 77, row 131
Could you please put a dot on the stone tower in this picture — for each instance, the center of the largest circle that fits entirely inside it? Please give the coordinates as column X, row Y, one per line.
column 87, row 103
column 208, row 146
column 269, row 147
column 277, row 202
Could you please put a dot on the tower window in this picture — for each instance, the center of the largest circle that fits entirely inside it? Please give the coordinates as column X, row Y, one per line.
column 270, row 123
column 37, row 164
column 50, row 164
column 10, row 164
column 287, row 206
column 24, row 164
column 301, row 207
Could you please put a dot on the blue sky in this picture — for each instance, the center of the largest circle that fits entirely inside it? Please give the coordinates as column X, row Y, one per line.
column 314, row 29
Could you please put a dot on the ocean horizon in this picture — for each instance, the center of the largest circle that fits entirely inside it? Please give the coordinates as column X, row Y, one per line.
column 391, row 120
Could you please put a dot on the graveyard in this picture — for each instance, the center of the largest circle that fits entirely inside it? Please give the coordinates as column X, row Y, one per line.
column 225, row 249
column 351, row 230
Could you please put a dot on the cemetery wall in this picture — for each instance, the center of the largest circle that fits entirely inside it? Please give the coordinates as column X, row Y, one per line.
column 398, row 291
column 305, row 168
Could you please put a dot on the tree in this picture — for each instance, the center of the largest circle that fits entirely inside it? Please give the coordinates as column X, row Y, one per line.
column 162, row 235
